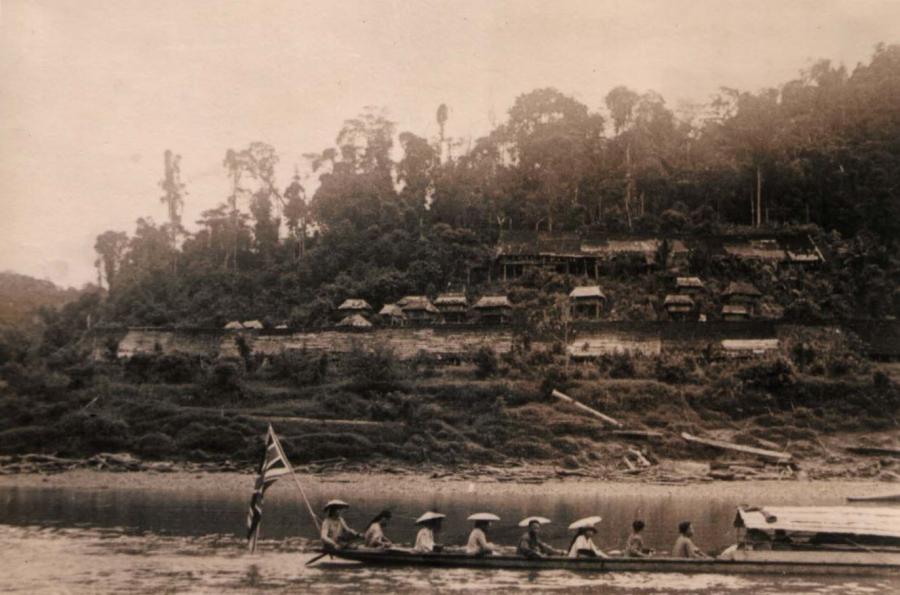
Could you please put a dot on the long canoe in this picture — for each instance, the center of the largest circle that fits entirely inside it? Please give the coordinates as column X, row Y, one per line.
column 864, row 564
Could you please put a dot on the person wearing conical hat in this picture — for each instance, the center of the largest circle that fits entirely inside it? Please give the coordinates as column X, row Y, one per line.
column 335, row 533
column 431, row 525
column 582, row 545
column 478, row 544
column 530, row 544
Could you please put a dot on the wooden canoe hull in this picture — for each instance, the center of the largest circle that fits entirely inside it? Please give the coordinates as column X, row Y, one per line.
column 686, row 566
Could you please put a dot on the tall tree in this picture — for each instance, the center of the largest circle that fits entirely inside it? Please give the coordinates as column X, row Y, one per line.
column 110, row 247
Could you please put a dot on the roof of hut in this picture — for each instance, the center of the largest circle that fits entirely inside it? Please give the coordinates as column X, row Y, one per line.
column 493, row 301
column 451, row 299
column 674, row 299
column 417, row 303
column 392, row 310
column 355, row 304
column 355, row 321
column 234, row 325
column 587, row 291
column 254, row 324
column 689, row 282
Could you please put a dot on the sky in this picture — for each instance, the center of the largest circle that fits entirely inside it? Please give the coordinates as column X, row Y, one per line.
column 92, row 92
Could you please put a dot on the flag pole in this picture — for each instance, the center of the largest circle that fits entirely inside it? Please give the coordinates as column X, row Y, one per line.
column 294, row 477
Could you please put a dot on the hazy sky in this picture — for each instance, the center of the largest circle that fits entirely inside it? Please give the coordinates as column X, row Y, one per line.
column 92, row 92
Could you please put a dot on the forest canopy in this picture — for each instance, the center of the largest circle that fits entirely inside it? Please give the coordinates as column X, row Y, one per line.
column 396, row 213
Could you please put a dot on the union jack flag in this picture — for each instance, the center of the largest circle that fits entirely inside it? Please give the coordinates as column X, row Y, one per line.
column 273, row 466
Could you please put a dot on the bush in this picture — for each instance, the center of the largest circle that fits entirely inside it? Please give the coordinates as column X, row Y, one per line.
column 375, row 370
column 25, row 439
column 485, row 362
column 224, row 379
column 217, row 439
column 87, row 431
column 156, row 445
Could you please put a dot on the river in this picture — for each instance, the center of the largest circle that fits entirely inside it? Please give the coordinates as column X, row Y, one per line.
column 176, row 538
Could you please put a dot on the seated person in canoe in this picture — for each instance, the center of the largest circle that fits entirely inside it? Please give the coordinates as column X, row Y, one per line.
column 374, row 535
column 684, row 547
column 431, row 525
column 582, row 545
column 478, row 544
column 335, row 533
column 634, row 547
column 530, row 544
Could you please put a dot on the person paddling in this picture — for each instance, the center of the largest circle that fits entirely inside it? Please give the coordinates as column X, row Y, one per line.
column 425, row 539
column 478, row 544
column 335, row 533
column 530, row 544
column 582, row 545
column 374, row 536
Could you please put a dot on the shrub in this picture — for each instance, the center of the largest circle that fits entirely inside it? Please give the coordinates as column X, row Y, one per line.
column 94, row 431
column 375, row 370
column 217, row 439
column 485, row 362
column 621, row 365
column 224, row 379
column 156, row 445
column 24, row 439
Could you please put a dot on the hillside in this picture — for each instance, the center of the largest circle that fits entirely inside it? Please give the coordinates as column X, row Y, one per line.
column 21, row 296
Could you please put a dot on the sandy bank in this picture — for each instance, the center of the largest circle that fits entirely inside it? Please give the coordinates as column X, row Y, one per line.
column 751, row 491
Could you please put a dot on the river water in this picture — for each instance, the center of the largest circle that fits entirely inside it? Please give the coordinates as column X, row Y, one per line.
column 76, row 540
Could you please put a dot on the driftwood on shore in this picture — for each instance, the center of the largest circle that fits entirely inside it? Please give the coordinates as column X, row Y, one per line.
column 602, row 416
column 875, row 451
column 721, row 444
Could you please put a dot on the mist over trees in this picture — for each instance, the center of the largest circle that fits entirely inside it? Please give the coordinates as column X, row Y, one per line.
column 407, row 212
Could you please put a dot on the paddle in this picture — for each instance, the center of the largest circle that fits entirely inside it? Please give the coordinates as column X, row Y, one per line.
column 317, row 558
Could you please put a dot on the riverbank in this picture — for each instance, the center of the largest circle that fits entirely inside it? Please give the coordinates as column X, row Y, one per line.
column 411, row 482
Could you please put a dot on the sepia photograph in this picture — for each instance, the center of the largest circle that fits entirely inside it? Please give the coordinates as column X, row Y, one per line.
column 450, row 296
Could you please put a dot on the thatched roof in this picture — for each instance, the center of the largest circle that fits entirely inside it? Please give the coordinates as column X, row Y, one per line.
column 587, row 291
column 254, row 324
column 674, row 299
column 451, row 299
column 742, row 288
column 355, row 304
column 355, row 321
column 234, row 325
column 689, row 283
column 493, row 301
column 392, row 310
column 417, row 303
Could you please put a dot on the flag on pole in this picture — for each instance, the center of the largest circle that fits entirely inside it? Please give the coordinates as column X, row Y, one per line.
column 273, row 466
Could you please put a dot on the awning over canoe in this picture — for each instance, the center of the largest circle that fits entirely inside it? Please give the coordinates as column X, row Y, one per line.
column 844, row 520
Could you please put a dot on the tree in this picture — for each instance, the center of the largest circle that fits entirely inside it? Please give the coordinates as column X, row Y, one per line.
column 110, row 247
column 173, row 194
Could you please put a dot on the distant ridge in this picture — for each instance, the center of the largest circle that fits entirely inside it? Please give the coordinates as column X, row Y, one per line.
column 21, row 296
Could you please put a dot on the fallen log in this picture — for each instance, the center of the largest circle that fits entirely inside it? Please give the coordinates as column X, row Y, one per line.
column 875, row 451
column 881, row 498
column 769, row 454
column 566, row 398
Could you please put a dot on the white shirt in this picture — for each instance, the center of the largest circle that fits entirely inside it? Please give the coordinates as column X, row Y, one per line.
column 424, row 541
column 332, row 528
column 478, row 543
column 583, row 542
